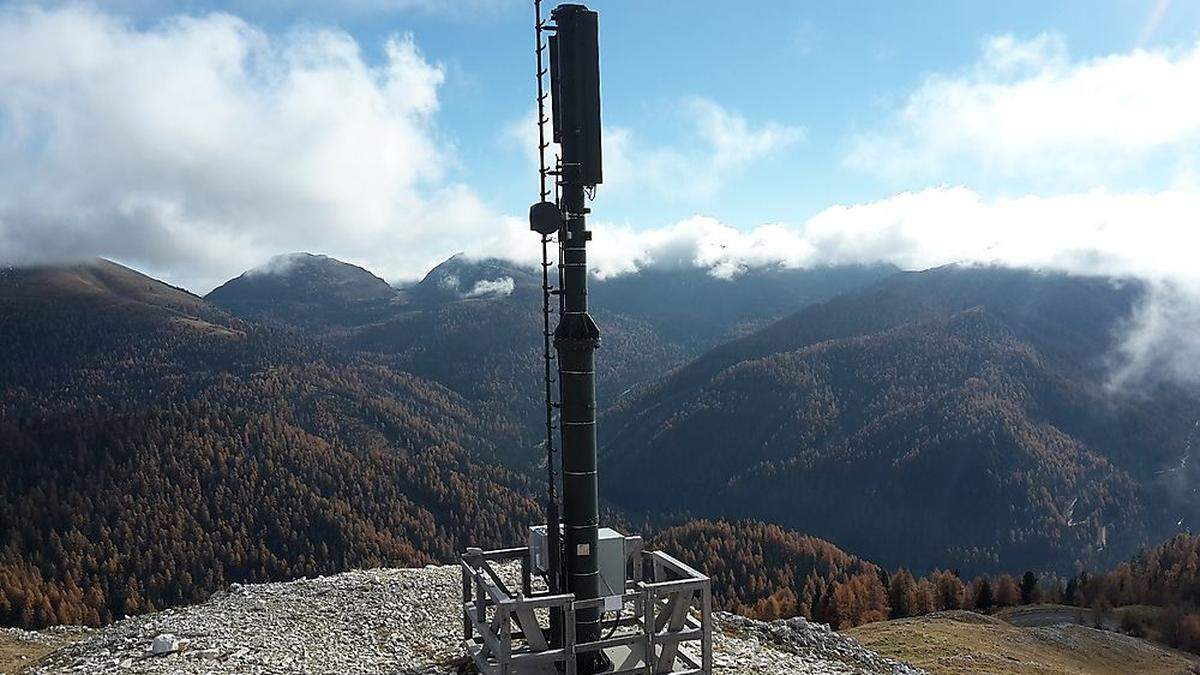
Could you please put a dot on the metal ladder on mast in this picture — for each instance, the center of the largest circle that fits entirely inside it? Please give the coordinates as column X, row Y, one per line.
column 552, row 504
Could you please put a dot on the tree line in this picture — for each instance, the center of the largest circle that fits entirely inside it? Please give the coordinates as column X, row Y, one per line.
column 764, row 571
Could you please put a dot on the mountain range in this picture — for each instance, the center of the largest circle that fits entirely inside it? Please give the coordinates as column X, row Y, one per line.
column 475, row 325
column 308, row 417
column 161, row 445
column 957, row 416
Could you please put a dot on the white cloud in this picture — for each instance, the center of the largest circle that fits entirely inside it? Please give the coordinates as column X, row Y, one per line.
column 699, row 241
column 1144, row 234
column 493, row 287
column 201, row 146
column 1160, row 342
column 1028, row 116
column 719, row 144
column 1150, row 236
column 498, row 287
column 1027, row 111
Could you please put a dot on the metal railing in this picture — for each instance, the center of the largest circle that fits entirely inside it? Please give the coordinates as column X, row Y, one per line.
column 664, row 624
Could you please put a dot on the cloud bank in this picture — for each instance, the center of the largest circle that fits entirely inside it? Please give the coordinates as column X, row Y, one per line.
column 199, row 147
column 1026, row 110
column 1150, row 235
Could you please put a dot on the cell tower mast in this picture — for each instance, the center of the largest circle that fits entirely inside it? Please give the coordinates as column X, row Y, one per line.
column 575, row 88
column 661, row 609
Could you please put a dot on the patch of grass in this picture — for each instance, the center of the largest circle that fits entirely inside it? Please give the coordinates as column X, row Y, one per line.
column 969, row 643
column 17, row 654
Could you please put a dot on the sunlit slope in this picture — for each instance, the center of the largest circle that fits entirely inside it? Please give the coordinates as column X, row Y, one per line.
column 958, row 643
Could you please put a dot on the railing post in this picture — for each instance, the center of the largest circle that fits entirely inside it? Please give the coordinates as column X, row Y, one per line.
column 706, row 646
column 505, row 640
column 480, row 603
column 649, row 601
column 569, row 643
column 468, row 629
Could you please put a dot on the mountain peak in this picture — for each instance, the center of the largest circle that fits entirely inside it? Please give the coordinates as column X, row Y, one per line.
column 462, row 277
column 96, row 280
column 301, row 288
column 298, row 263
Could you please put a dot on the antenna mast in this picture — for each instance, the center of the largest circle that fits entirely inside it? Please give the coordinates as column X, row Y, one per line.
column 590, row 571
column 575, row 87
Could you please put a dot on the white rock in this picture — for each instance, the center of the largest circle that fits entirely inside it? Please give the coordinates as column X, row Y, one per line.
column 165, row 643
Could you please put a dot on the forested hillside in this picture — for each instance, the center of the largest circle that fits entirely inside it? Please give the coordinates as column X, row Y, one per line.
column 763, row 571
column 160, row 447
column 956, row 417
column 1165, row 577
column 157, row 449
column 474, row 325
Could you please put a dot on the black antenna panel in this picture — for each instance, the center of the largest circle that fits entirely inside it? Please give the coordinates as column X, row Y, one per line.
column 575, row 86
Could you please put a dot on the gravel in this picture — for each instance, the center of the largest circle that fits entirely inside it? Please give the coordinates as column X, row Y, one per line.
column 28, row 636
column 815, row 643
column 392, row 621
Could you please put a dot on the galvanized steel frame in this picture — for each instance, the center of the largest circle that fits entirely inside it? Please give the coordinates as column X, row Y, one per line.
column 503, row 634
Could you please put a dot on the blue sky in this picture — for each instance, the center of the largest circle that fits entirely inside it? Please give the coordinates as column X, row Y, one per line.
column 197, row 139
column 830, row 68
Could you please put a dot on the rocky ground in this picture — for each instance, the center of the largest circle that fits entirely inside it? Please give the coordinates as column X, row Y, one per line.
column 392, row 621
column 794, row 646
column 20, row 648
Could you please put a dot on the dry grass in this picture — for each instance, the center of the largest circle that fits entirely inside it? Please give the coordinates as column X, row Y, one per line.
column 964, row 642
column 17, row 654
